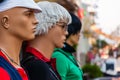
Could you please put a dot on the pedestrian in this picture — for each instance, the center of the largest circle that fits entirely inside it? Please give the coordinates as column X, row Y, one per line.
column 67, row 65
column 17, row 23
column 109, row 65
column 50, row 34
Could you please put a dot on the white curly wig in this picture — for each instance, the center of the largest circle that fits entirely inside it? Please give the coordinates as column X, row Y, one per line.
column 51, row 13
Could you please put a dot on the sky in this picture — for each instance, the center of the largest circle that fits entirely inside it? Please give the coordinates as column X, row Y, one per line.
column 108, row 15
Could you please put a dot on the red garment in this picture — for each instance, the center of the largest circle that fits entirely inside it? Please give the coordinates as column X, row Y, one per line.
column 41, row 57
column 48, row 63
column 22, row 73
column 4, row 74
column 90, row 56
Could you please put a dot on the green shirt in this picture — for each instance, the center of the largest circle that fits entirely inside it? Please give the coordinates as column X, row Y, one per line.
column 67, row 67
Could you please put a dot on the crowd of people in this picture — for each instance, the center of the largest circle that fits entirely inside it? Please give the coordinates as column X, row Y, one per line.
column 106, row 58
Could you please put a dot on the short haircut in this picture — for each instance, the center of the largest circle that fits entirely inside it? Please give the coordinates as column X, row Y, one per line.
column 75, row 26
column 51, row 13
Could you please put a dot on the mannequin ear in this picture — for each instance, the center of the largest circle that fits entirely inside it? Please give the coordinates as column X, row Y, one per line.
column 5, row 22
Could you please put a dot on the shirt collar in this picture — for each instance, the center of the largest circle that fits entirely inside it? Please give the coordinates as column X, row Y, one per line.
column 37, row 53
column 1, row 54
column 68, row 48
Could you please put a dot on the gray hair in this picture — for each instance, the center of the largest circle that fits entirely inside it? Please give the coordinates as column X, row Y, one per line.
column 51, row 13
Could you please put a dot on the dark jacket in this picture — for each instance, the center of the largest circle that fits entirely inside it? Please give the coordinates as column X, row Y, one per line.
column 38, row 69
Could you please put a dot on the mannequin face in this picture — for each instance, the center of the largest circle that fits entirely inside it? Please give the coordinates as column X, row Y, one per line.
column 19, row 22
column 57, row 34
column 73, row 39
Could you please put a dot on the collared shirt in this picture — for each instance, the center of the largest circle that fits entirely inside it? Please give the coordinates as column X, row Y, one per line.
column 51, row 62
column 4, row 74
column 39, row 55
